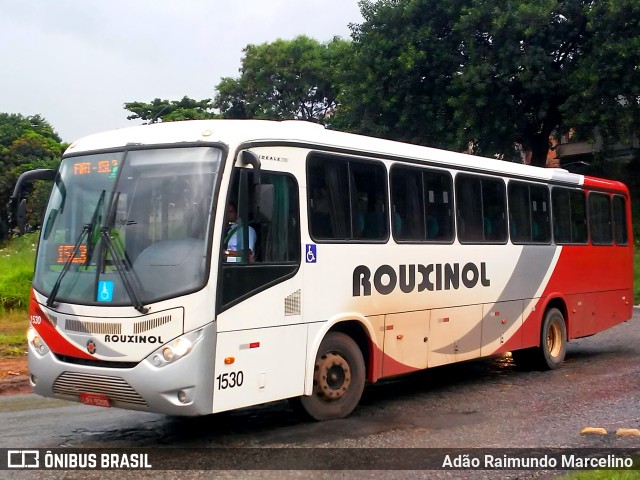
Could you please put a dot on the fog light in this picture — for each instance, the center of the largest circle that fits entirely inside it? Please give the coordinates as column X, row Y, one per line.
column 182, row 396
column 33, row 379
column 157, row 360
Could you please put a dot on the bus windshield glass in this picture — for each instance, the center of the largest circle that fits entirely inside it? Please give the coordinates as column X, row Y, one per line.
column 128, row 227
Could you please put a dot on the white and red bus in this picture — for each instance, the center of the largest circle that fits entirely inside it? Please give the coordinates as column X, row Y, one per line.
column 364, row 259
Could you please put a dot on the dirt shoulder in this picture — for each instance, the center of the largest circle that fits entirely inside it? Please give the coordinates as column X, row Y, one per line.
column 14, row 376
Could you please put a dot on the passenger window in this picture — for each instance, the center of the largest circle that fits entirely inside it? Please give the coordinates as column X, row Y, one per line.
column 519, row 213
column 422, row 207
column 438, row 198
column 267, row 222
column 529, row 213
column 569, row 216
column 271, row 231
column 540, row 214
column 481, row 208
column 407, row 211
column 620, row 220
column 600, row 219
column 347, row 199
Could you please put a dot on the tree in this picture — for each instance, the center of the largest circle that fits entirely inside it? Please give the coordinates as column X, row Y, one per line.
column 492, row 73
column 606, row 85
column 285, row 79
column 170, row 110
column 26, row 143
column 402, row 63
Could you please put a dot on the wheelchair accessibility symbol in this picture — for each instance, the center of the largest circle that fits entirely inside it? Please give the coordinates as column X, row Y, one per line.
column 105, row 291
column 311, row 253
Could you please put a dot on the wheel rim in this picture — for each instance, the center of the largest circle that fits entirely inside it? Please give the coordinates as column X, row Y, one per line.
column 554, row 339
column 332, row 376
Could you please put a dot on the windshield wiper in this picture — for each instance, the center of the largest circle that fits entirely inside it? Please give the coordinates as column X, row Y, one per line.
column 121, row 269
column 86, row 230
column 119, row 262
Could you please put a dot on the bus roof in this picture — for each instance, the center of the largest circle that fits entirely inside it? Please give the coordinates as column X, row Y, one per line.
column 235, row 133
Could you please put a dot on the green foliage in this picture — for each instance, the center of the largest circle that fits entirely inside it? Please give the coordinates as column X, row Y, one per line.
column 17, row 258
column 170, row 111
column 605, row 85
column 490, row 73
column 285, row 79
column 26, row 143
column 396, row 85
column 604, row 474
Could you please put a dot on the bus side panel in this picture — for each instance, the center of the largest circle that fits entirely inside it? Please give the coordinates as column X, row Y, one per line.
column 581, row 321
column 594, row 281
column 531, row 324
column 268, row 365
column 455, row 334
column 612, row 307
column 501, row 322
column 405, row 342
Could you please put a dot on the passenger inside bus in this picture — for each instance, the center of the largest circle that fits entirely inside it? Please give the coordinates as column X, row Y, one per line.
column 234, row 236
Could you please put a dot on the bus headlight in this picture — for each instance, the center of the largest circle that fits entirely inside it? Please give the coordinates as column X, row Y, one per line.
column 34, row 340
column 175, row 350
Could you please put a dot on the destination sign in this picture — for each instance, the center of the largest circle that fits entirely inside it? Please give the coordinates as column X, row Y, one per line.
column 65, row 252
column 96, row 167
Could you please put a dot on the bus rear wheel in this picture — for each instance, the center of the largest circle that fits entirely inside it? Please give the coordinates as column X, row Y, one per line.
column 338, row 379
column 553, row 344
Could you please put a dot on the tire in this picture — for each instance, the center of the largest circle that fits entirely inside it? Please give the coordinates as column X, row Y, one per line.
column 553, row 340
column 338, row 379
column 553, row 345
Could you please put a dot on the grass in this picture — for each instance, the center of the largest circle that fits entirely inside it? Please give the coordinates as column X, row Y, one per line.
column 16, row 271
column 13, row 338
column 604, row 475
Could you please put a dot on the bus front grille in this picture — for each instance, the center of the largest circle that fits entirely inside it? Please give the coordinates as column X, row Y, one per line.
column 71, row 384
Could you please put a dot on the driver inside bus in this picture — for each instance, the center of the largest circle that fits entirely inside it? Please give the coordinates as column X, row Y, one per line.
column 233, row 236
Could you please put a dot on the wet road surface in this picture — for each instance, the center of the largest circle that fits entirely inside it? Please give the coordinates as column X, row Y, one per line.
column 480, row 404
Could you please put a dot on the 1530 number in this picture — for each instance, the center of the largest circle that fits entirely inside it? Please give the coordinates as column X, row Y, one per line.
column 230, row 380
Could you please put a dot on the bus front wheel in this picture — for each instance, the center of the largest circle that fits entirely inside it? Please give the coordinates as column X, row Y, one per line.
column 338, row 379
column 553, row 344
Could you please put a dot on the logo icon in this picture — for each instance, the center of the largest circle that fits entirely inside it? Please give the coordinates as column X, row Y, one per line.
column 105, row 291
column 311, row 253
column 91, row 347
column 23, row 459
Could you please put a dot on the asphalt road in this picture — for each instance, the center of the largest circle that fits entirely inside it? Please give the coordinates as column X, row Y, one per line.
column 480, row 404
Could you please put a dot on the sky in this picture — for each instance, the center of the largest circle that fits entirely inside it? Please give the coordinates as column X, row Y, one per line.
column 77, row 62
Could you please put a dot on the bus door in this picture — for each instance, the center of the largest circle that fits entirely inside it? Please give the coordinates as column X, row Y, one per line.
column 259, row 319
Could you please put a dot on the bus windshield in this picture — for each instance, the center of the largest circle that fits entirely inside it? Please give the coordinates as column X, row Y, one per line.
column 128, row 227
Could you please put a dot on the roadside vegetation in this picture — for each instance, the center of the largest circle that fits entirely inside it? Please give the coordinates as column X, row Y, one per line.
column 16, row 270
column 604, row 475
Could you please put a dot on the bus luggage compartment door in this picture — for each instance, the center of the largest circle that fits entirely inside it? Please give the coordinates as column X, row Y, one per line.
column 500, row 322
column 405, row 342
column 454, row 334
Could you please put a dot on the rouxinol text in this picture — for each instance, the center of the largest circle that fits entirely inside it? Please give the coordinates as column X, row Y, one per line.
column 434, row 276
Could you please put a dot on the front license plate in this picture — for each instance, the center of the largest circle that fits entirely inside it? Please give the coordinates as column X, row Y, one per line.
column 95, row 399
